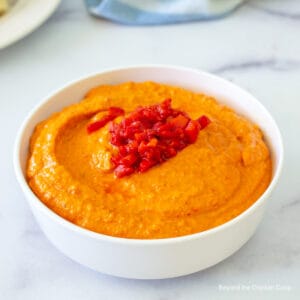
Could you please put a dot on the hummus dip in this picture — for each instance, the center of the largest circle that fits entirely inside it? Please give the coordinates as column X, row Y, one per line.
column 206, row 184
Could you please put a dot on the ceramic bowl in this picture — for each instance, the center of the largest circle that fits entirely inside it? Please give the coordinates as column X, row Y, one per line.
column 157, row 258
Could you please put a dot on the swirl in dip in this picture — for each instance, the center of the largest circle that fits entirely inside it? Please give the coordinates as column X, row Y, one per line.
column 206, row 184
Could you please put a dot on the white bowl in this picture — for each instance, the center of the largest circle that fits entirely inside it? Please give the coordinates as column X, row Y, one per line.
column 158, row 258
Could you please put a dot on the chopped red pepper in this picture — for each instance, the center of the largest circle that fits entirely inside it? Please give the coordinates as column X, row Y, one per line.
column 204, row 121
column 122, row 170
column 113, row 112
column 191, row 131
column 149, row 136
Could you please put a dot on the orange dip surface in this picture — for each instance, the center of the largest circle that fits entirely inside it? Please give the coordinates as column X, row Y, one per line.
column 205, row 185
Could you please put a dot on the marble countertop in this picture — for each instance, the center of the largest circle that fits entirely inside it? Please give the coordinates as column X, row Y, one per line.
column 257, row 47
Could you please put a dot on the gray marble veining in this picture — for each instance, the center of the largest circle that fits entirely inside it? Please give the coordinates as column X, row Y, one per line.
column 280, row 9
column 269, row 64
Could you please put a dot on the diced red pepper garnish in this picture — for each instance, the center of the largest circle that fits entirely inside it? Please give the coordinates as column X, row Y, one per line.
column 179, row 121
column 122, row 170
column 148, row 136
column 204, row 121
column 191, row 131
column 113, row 112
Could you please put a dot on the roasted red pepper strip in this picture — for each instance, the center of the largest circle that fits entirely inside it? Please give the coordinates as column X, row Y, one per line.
column 113, row 112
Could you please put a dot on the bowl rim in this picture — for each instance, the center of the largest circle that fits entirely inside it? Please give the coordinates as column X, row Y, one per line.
column 34, row 200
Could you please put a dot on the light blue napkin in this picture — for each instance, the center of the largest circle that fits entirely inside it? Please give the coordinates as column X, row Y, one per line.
column 155, row 12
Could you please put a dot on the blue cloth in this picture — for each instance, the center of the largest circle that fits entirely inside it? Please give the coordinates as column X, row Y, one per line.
column 156, row 12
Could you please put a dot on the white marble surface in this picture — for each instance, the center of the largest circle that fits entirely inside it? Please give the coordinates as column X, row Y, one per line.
column 258, row 47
